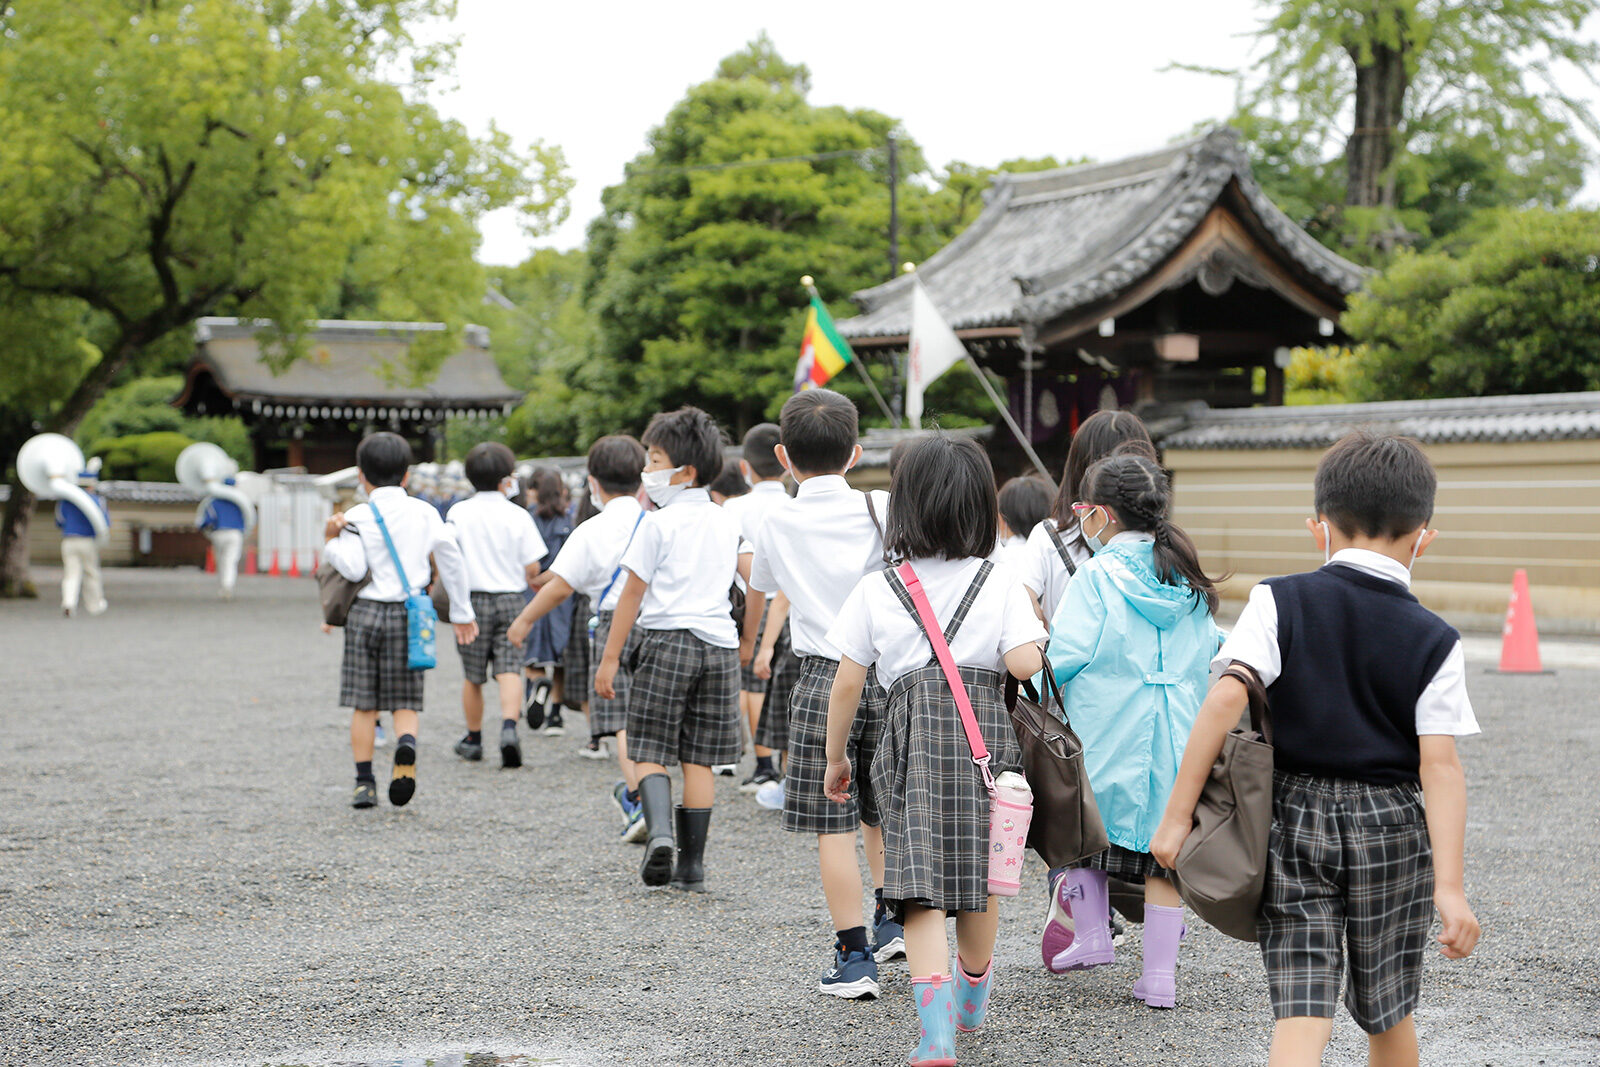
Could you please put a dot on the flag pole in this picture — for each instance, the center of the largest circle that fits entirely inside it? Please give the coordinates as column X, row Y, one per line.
column 811, row 288
column 1005, row 413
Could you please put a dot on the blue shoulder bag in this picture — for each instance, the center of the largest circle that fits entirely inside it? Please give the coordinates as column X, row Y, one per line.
column 422, row 621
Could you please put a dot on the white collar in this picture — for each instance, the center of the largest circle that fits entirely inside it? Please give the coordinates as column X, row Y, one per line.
column 775, row 485
column 1374, row 563
column 822, row 483
column 693, row 494
column 1130, row 537
column 387, row 491
column 620, row 501
column 481, row 493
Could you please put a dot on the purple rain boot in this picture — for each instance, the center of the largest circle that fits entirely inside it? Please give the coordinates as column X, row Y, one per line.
column 936, row 1010
column 1163, row 929
column 971, row 996
column 1091, row 940
column 1058, row 924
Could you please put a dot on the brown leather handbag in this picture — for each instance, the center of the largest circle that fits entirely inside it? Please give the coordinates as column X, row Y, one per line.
column 1066, row 821
column 338, row 593
column 1222, row 866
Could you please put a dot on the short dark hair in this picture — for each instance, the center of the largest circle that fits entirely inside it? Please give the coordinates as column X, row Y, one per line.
column 729, row 483
column 898, row 453
column 1380, row 485
column 691, row 438
column 819, row 428
column 550, row 492
column 488, row 464
column 758, row 450
column 943, row 501
column 615, row 462
column 383, row 458
column 1024, row 503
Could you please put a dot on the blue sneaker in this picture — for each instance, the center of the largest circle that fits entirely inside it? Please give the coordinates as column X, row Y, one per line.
column 888, row 940
column 633, row 824
column 852, row 976
column 770, row 795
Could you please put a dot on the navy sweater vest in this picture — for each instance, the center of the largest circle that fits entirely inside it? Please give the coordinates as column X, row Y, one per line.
column 1357, row 653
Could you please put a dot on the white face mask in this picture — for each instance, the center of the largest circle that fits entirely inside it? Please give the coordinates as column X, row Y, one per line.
column 657, row 484
column 1093, row 539
column 1327, row 543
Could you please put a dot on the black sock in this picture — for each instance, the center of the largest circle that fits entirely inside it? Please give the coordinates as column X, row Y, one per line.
column 853, row 939
column 555, row 709
column 508, row 724
column 475, row 736
column 632, row 795
column 407, row 741
column 964, row 970
column 364, row 771
column 878, row 910
column 764, row 763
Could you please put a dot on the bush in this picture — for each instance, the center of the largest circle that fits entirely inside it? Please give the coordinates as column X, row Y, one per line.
column 145, row 457
column 140, row 407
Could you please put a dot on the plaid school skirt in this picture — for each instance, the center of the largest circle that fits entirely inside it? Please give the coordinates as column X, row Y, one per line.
column 772, row 729
column 575, row 657
column 931, row 795
column 608, row 717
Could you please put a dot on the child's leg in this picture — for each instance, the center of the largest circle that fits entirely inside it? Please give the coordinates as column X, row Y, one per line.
column 1395, row 1047
column 363, row 729
column 629, row 769
column 927, row 946
column 699, row 788
column 405, row 723
column 471, row 705
column 932, row 988
column 510, row 698
column 1162, row 893
column 872, row 843
column 841, row 882
column 975, row 933
column 1163, row 932
column 1299, row 1041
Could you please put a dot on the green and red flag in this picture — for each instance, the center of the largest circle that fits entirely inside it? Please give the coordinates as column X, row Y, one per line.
column 823, row 353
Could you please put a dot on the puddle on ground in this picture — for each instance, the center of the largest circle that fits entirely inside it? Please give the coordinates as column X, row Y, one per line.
column 437, row 1059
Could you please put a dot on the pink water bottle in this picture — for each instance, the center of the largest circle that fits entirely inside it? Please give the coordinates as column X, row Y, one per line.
column 1010, row 813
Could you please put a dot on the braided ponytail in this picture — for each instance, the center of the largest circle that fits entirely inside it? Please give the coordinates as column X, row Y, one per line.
column 1136, row 488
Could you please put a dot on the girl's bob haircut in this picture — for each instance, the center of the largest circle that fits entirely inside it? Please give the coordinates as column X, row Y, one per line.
column 942, row 502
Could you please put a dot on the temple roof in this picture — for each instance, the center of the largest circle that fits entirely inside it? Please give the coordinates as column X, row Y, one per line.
column 360, row 363
column 1053, row 241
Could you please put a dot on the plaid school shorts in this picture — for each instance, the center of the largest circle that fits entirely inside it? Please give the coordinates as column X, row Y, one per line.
column 683, row 700
column 374, row 675
column 772, row 729
column 492, row 653
column 1349, row 871
column 607, row 718
column 576, row 656
column 806, row 808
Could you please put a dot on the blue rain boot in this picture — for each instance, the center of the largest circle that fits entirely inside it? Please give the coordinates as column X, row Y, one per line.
column 936, row 1011
column 971, row 996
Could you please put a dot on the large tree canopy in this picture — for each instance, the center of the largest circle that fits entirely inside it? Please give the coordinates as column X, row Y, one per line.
column 1388, row 123
column 168, row 161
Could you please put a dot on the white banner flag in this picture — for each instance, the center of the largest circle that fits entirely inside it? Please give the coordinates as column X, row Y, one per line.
column 935, row 348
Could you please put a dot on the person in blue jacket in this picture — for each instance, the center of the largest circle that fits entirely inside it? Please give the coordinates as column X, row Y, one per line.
column 1131, row 647
column 80, row 552
column 223, row 522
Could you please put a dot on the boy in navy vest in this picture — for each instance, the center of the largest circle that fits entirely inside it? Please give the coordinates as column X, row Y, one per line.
column 1367, row 695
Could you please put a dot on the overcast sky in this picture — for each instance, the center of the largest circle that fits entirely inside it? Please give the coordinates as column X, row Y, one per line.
column 979, row 83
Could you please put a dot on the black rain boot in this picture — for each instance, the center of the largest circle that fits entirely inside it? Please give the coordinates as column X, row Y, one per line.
column 690, row 873
column 655, row 796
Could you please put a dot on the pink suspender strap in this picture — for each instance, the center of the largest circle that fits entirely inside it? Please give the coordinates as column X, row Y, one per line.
column 947, row 663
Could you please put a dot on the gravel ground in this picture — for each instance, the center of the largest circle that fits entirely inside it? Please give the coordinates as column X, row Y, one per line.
column 183, row 882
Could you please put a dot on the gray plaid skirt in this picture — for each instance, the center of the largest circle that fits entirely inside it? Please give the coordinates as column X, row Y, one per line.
column 608, row 717
column 772, row 729
column 1349, row 871
column 934, row 803
column 492, row 653
column 374, row 675
column 683, row 700
column 1125, row 863
column 806, row 808
column 575, row 657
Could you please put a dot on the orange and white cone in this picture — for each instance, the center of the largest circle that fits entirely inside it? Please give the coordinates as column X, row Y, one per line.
column 1519, row 641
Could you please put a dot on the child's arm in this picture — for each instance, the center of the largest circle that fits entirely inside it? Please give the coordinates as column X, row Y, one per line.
column 343, row 548
column 1025, row 661
column 622, row 621
column 777, row 615
column 842, row 704
column 1220, row 713
column 1444, row 792
column 553, row 592
column 453, row 572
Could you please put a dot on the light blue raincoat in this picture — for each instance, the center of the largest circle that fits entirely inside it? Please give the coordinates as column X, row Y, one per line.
column 1131, row 655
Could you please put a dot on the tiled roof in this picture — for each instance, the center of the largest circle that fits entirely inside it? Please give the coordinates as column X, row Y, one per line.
column 117, row 492
column 1055, row 240
column 1542, row 417
column 354, row 362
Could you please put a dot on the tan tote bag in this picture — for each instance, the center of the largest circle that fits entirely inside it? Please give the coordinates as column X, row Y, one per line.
column 1223, row 863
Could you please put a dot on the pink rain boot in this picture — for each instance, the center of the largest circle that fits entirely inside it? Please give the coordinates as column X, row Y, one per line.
column 1058, row 923
column 1091, row 939
column 936, row 1011
column 1163, row 929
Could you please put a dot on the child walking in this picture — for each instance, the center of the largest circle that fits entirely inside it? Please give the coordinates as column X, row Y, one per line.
column 591, row 563
column 683, row 698
column 814, row 549
column 376, row 674
column 943, row 521
column 80, row 550
column 1131, row 647
column 1367, row 694
column 543, row 688
column 502, row 549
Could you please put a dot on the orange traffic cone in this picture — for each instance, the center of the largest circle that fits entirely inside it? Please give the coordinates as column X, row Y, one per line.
column 250, row 561
column 211, row 561
column 1519, row 646
column 294, row 564
column 272, row 571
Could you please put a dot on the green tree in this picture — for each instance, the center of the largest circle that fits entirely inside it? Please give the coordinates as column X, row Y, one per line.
column 142, row 407
column 1413, row 114
column 1517, row 312
column 253, row 157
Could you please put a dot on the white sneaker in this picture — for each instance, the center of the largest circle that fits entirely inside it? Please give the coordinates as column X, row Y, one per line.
column 726, row 770
column 601, row 749
column 770, row 796
column 379, row 738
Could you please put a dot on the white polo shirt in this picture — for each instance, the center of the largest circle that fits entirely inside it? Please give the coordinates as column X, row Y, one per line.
column 498, row 540
column 688, row 552
column 874, row 627
column 1039, row 563
column 593, row 552
column 1443, row 707
column 417, row 530
column 814, row 549
column 750, row 511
